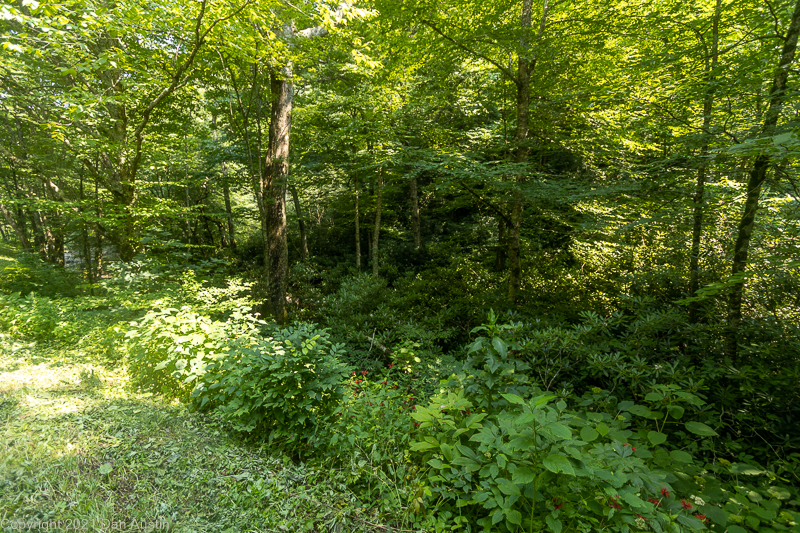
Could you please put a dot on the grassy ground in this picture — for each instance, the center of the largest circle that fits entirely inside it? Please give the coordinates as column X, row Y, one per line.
column 80, row 451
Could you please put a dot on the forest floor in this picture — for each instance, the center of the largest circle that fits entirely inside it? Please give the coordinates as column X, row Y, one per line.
column 81, row 451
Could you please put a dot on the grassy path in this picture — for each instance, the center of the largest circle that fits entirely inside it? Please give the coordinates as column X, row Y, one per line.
column 80, row 451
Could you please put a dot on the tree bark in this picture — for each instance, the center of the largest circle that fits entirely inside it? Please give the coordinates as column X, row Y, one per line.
column 358, row 228
column 377, row 228
column 758, row 174
column 273, row 184
column 301, row 223
column 87, row 249
column 699, row 195
column 23, row 238
column 524, row 67
column 415, row 213
column 226, row 193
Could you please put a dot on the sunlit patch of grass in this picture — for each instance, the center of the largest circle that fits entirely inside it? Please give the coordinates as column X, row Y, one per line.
column 77, row 444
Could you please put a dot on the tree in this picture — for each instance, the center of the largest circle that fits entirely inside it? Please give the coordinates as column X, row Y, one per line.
column 757, row 175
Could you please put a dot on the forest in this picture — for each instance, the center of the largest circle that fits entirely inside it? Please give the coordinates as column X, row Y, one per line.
column 400, row 266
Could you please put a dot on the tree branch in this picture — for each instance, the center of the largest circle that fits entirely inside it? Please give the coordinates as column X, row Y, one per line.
column 508, row 73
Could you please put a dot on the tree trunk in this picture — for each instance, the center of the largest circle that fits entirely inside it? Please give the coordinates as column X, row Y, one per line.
column 18, row 229
column 758, row 173
column 226, row 192
column 98, row 263
column 189, row 237
column 699, row 195
column 86, row 249
column 358, row 228
column 524, row 67
column 274, row 184
column 377, row 228
column 301, row 223
column 415, row 213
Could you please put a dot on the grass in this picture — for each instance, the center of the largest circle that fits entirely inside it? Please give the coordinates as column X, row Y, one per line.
column 80, row 450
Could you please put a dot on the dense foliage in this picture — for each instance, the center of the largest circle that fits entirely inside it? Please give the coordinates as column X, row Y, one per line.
column 493, row 266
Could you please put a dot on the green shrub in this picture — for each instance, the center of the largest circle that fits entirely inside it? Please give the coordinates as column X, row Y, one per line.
column 169, row 350
column 282, row 386
column 505, row 456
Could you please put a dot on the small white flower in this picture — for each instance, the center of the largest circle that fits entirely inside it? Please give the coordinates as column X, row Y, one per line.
column 697, row 500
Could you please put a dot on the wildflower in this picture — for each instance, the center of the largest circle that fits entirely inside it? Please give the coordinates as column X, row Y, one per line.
column 654, row 501
column 363, row 372
column 394, row 386
column 357, row 381
column 641, row 523
column 697, row 500
column 354, row 372
column 416, row 424
column 665, row 492
column 702, row 518
column 557, row 504
column 413, row 407
column 686, row 505
column 383, row 382
column 633, row 448
column 391, row 365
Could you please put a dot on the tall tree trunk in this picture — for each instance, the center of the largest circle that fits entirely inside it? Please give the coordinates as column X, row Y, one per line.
column 39, row 241
column 98, row 255
column 274, row 184
column 226, row 192
column 18, row 229
column 301, row 223
column 358, row 228
column 758, row 174
column 415, row 213
column 86, row 248
column 377, row 228
column 524, row 67
column 699, row 195
column 189, row 237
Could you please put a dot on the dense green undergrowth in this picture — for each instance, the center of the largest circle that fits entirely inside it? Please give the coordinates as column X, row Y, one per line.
column 630, row 421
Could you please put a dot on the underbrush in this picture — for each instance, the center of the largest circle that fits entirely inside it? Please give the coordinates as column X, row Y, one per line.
column 629, row 421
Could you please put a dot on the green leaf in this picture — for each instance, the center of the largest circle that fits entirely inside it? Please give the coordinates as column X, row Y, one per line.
column 508, row 488
column 736, row 529
column 541, row 400
column 513, row 398
column 639, row 410
column 715, row 514
column 691, row 522
column 602, row 429
column 680, row 456
column 656, row 438
column 559, row 430
column 105, row 469
column 589, row 434
column 675, row 411
column 553, row 524
column 523, row 475
column 500, row 346
column 654, row 397
column 632, row 500
column 698, row 428
column 558, row 463
column 745, row 469
column 514, row 516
